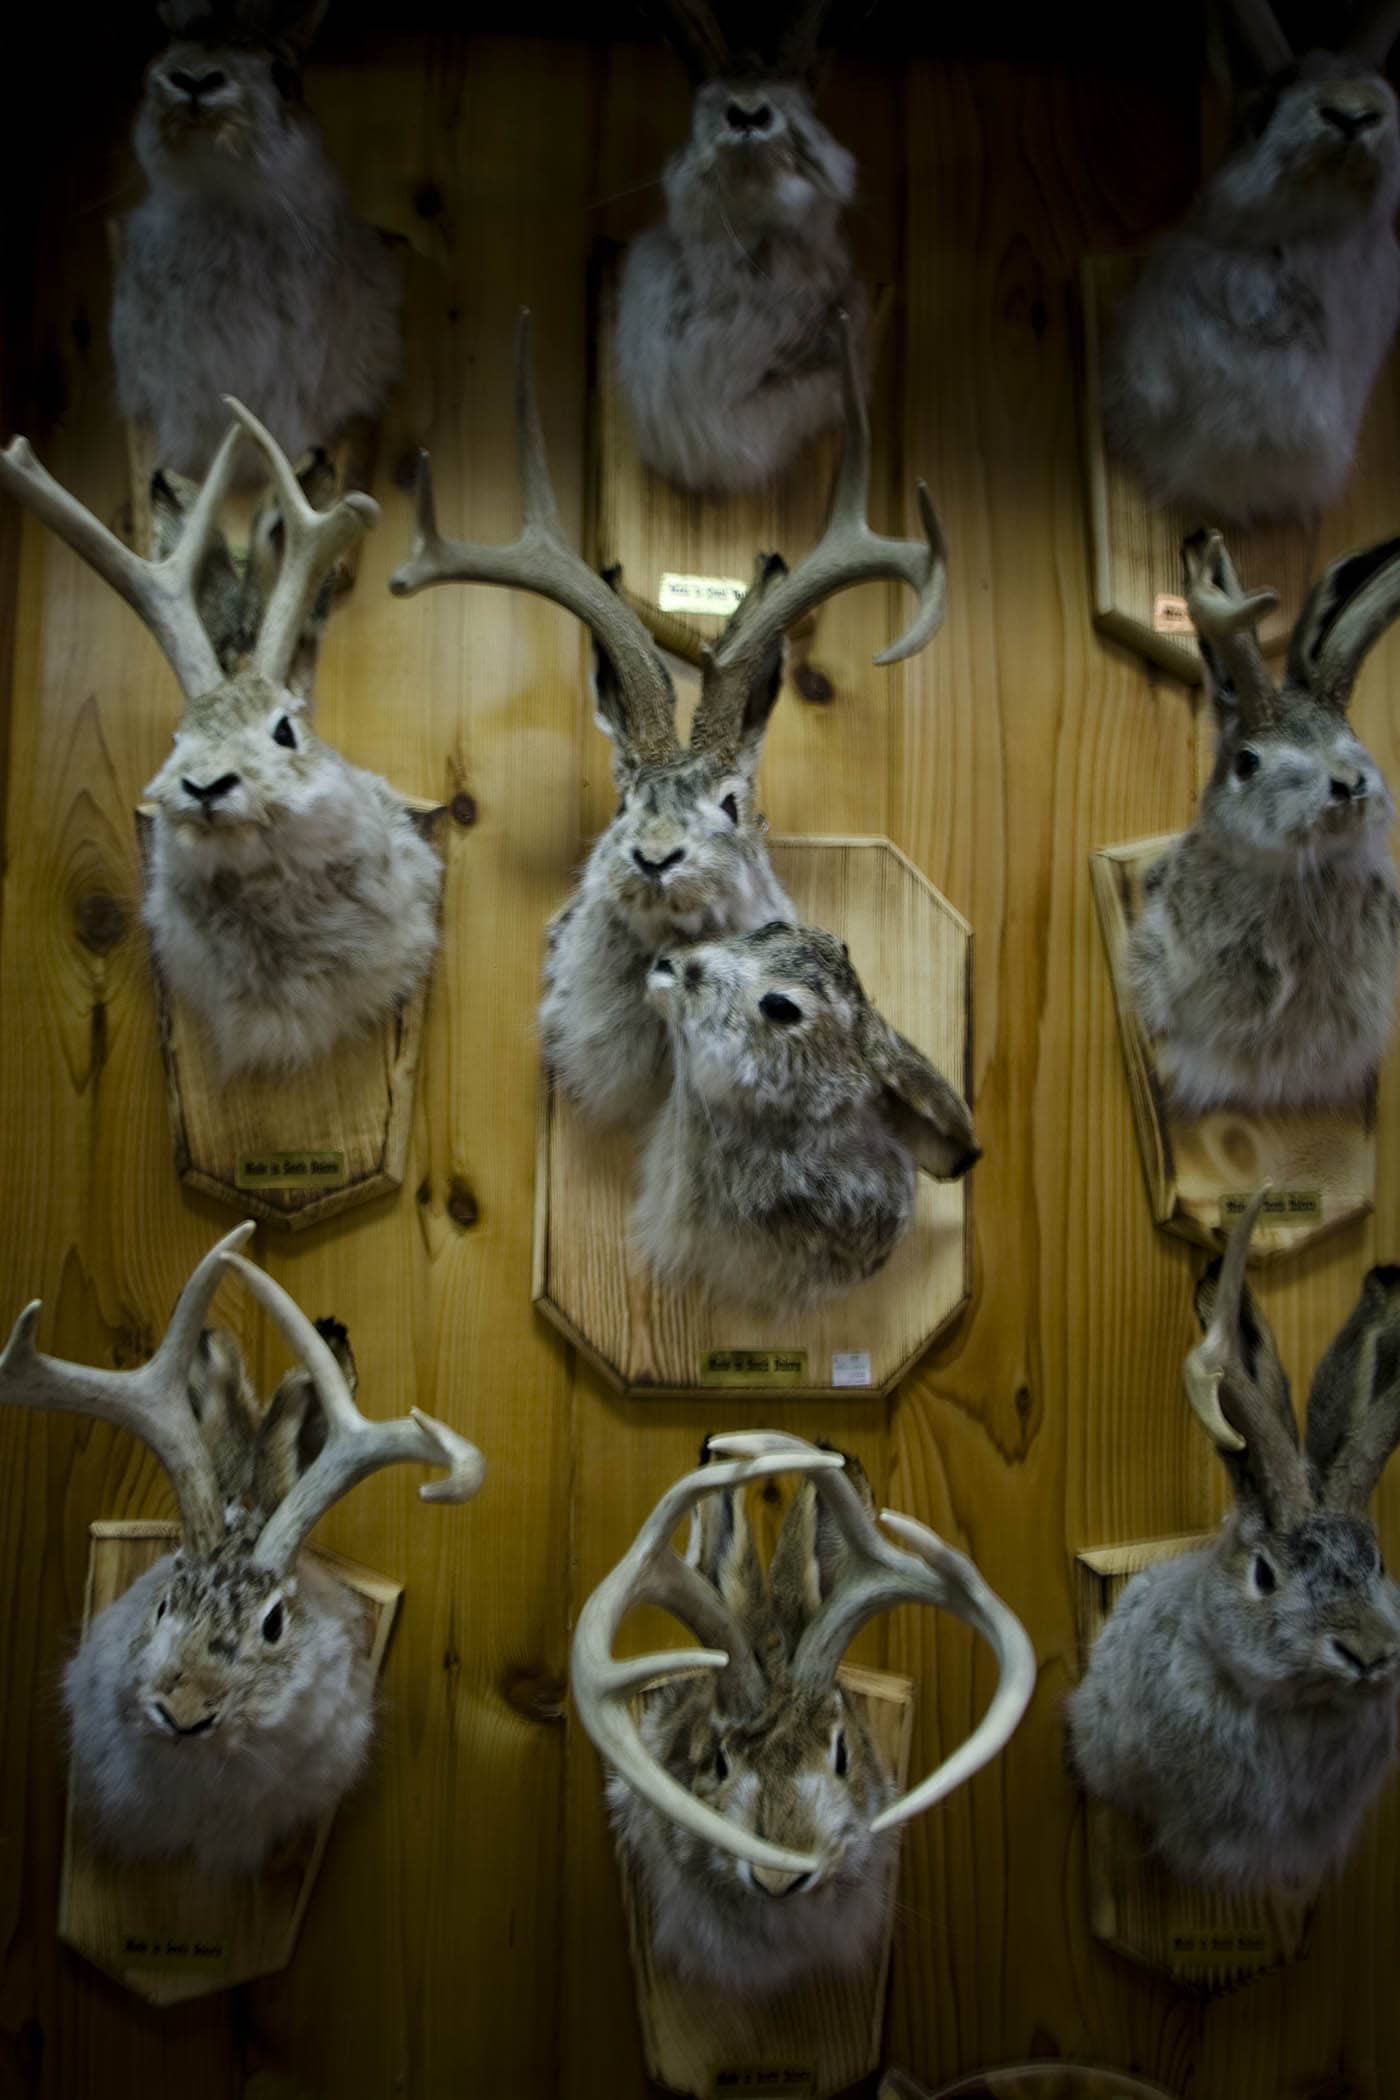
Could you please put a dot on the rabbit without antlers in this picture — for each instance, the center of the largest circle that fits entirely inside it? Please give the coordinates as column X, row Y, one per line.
column 225, row 1699
column 1246, row 353
column 1240, row 1703
column 784, row 1166
column 290, row 899
column 245, row 271
column 1264, row 958
column 750, row 1798
column 684, row 858
column 727, row 345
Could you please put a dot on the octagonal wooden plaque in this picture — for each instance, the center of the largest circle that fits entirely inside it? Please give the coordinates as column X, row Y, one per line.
column 1320, row 1163
column 163, row 1930
column 914, row 956
column 1135, row 545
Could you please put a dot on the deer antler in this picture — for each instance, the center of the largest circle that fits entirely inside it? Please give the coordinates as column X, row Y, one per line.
column 355, row 1447
column 1225, row 617
column 152, row 1402
column 163, row 594
column 542, row 560
column 847, row 553
column 312, row 543
column 652, row 1572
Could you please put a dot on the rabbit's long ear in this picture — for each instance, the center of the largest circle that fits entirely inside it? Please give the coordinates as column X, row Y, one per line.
column 1348, row 609
column 692, row 30
column 291, row 23
column 721, row 1548
column 746, row 735
column 1354, row 1406
column 1374, row 31
column 1238, row 1387
column 225, row 1407
column 921, row 1106
column 292, row 1433
column 1254, row 33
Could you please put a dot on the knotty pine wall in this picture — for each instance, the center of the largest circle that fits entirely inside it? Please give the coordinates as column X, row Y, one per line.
column 466, row 1934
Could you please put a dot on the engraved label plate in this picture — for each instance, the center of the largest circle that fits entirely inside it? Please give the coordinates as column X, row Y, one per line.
column 767, row 1367
column 290, row 1170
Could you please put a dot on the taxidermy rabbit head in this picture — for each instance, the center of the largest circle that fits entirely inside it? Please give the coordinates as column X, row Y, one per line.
column 750, row 1798
column 257, row 820
column 784, row 1166
column 1241, row 1700
column 225, row 1698
column 685, row 854
column 222, row 108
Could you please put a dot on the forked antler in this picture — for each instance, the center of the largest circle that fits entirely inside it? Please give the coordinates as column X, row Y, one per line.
column 312, row 543
column 847, row 553
column 652, row 1572
column 152, row 1402
column 542, row 560
column 355, row 1447
column 876, row 1576
column 163, row 594
column 1225, row 617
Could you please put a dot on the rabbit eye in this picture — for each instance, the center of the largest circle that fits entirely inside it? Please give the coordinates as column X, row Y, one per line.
column 162, row 1608
column 774, row 1006
column 721, row 1763
column 731, row 808
column 1246, row 764
column 1263, row 1577
column 284, row 734
column 838, row 1755
column 272, row 1623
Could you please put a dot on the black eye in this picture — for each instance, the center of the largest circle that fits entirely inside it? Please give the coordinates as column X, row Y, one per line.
column 721, row 1764
column 162, row 1608
column 1246, row 764
column 838, row 1758
column 284, row 734
column 730, row 808
column 272, row 1623
column 1265, row 1580
column 775, row 1007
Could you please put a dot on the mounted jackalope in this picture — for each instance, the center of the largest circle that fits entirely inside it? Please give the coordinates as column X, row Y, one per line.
column 291, row 900
column 225, row 1700
column 1264, row 959
column 750, row 1797
column 684, row 858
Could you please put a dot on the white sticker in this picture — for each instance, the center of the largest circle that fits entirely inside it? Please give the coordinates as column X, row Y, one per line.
column 850, row 1367
column 1171, row 615
column 701, row 594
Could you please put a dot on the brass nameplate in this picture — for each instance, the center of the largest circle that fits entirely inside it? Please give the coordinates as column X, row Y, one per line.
column 1285, row 1204
column 771, row 1367
column 290, row 1170
column 750, row 2082
column 1210, row 1948
column 159, row 1950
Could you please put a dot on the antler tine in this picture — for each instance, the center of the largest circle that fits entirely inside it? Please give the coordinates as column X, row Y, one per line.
column 1204, row 1369
column 161, row 594
column 1375, row 31
column 1225, row 617
column 1259, row 28
column 847, row 553
column 652, row 1572
column 355, row 1447
column 313, row 542
column 152, row 1402
column 542, row 560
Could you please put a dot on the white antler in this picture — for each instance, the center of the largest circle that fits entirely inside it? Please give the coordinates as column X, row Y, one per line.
column 164, row 594
column 652, row 1572
column 355, row 1447
column 1204, row 1369
column 1225, row 617
column 152, row 1402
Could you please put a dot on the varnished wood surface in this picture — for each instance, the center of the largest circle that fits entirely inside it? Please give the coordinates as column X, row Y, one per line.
column 467, row 1933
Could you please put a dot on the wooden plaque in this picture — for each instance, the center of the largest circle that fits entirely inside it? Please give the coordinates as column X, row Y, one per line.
column 814, row 2039
column 293, row 1149
column 1321, row 1163
column 1204, row 1940
column 1135, row 546
column 914, row 956
column 162, row 1930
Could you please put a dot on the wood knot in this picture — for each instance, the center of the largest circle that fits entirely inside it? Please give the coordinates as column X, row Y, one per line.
column 813, row 685
column 464, row 811
column 101, row 921
column 427, row 201
column 424, row 1190
column 535, row 1692
column 461, row 1204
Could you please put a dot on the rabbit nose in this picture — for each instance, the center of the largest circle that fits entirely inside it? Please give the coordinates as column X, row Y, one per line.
column 1364, row 1665
column 740, row 117
column 774, row 1883
column 663, row 967
column 1350, row 122
column 192, row 1728
column 657, row 867
column 196, row 84
column 214, row 792
column 1343, row 790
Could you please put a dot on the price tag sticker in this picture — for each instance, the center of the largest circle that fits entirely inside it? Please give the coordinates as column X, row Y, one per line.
column 1170, row 615
column 701, row 594
column 850, row 1367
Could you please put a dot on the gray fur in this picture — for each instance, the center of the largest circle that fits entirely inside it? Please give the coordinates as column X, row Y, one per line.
column 712, row 1917
column 1246, row 353
column 783, row 1167
column 727, row 348
column 245, row 271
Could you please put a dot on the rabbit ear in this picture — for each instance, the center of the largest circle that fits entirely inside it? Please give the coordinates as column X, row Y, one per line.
column 721, row 1548
column 292, row 1433
column 1374, row 31
column 225, row 1407
column 1256, row 34
column 292, row 24
column 1354, row 1407
column 738, row 731
column 924, row 1110
column 1348, row 609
